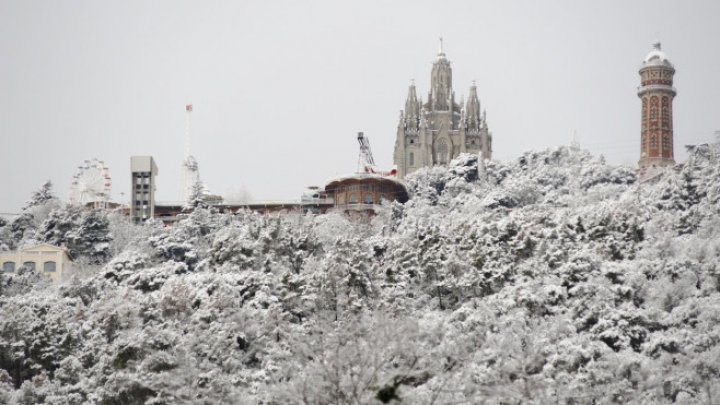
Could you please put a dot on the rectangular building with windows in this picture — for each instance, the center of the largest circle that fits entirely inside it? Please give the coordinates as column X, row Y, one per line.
column 47, row 260
column 142, row 194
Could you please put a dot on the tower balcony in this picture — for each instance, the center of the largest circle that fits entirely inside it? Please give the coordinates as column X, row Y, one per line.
column 662, row 88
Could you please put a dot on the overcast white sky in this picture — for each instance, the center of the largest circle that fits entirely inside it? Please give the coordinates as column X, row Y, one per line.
column 280, row 88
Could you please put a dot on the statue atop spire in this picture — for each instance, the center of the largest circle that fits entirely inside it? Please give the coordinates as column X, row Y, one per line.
column 441, row 53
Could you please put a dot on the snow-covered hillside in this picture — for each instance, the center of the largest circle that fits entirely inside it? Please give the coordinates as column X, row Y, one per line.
column 551, row 279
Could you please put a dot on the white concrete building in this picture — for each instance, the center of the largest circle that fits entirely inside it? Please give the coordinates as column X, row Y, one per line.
column 142, row 194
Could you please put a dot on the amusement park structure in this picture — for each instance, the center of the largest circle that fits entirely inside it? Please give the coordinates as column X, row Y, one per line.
column 366, row 162
column 91, row 184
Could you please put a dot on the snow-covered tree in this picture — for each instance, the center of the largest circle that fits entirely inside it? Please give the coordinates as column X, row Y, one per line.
column 42, row 196
column 551, row 278
column 196, row 197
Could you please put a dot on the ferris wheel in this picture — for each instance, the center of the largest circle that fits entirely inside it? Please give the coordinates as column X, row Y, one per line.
column 91, row 184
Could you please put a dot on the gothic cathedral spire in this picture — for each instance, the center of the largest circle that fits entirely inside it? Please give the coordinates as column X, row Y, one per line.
column 441, row 83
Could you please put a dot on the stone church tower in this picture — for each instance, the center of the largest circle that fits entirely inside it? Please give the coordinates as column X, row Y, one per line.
column 656, row 92
column 437, row 131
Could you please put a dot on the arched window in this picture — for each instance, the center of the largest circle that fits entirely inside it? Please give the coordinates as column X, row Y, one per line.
column 49, row 267
column 29, row 265
column 654, row 108
column 411, row 159
column 9, row 266
column 353, row 198
column 367, row 198
column 441, row 152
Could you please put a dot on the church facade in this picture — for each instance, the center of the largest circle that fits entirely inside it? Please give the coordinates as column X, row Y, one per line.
column 434, row 132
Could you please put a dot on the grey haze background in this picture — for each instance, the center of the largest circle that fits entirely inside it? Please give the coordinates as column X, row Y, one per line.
column 280, row 88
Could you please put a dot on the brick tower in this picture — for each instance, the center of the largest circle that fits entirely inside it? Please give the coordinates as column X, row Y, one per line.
column 656, row 92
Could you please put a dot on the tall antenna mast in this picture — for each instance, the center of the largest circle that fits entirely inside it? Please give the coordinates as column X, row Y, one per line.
column 190, row 174
column 188, row 122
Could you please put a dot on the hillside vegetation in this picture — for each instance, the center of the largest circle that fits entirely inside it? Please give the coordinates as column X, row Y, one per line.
column 551, row 279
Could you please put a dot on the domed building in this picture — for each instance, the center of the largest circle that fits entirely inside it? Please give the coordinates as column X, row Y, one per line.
column 364, row 191
column 656, row 93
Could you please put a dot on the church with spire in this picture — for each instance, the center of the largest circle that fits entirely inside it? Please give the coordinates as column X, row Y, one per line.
column 434, row 132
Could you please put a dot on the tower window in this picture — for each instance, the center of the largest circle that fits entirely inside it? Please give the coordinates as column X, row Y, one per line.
column 411, row 159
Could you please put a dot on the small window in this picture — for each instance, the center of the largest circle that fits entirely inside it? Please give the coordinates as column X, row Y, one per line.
column 49, row 267
column 29, row 265
column 9, row 266
column 412, row 159
column 352, row 198
column 367, row 198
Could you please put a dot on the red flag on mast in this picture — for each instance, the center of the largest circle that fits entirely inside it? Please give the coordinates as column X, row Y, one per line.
column 188, row 108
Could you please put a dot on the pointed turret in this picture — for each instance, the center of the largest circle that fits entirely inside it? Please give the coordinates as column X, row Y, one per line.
column 412, row 108
column 472, row 108
column 412, row 104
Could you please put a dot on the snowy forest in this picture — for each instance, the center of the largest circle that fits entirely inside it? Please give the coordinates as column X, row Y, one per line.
column 553, row 278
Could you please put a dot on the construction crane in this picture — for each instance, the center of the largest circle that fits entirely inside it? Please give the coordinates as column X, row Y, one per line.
column 366, row 162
